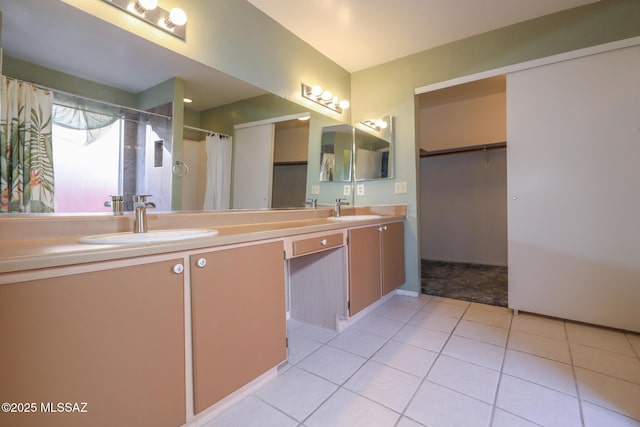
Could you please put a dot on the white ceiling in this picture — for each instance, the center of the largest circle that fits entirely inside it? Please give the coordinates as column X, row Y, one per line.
column 353, row 33
column 358, row 34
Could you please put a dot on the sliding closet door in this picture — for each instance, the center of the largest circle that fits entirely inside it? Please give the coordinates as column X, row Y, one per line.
column 253, row 166
column 573, row 172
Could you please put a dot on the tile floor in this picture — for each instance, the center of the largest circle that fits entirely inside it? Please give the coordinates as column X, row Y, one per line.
column 432, row 361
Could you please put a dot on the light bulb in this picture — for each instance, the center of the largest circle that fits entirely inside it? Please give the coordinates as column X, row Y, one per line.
column 344, row 104
column 316, row 91
column 327, row 95
column 178, row 16
column 148, row 4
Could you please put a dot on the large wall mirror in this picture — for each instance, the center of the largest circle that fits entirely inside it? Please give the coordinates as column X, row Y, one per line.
column 360, row 152
column 134, row 80
column 373, row 149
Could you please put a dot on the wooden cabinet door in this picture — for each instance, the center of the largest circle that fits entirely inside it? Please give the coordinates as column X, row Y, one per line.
column 393, row 274
column 111, row 338
column 364, row 268
column 239, row 318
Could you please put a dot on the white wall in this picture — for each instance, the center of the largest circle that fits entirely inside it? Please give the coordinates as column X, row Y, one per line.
column 574, row 189
column 464, row 207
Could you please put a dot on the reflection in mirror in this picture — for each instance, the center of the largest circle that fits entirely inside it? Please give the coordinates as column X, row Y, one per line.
column 101, row 150
column 336, row 153
column 373, row 149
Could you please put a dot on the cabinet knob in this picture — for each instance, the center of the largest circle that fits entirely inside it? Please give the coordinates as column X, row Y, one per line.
column 384, row 227
column 323, row 242
column 178, row 268
column 379, row 228
column 201, row 262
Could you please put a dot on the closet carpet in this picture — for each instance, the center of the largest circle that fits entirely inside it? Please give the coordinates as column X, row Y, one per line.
column 486, row 284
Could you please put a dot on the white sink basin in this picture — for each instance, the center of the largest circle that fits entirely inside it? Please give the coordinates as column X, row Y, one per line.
column 148, row 237
column 353, row 217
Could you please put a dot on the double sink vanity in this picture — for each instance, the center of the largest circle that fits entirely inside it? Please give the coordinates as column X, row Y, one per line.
column 169, row 326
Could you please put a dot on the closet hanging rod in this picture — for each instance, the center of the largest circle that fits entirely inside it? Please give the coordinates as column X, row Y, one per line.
column 110, row 104
column 205, row 131
column 485, row 147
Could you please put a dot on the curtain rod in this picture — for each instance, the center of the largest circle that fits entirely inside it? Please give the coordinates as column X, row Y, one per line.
column 206, row 131
column 39, row 86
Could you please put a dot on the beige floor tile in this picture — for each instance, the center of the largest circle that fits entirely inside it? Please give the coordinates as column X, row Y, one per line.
column 252, row 411
column 383, row 384
column 539, row 370
column 359, row 342
column 540, row 346
column 378, row 325
column 407, row 422
column 409, row 302
column 478, row 314
column 602, row 338
column 490, row 307
column 614, row 394
column 315, row 333
column 427, row 339
column 395, row 312
column 435, row 405
column 634, row 339
column 481, row 332
column 505, row 419
column 597, row 416
column 464, row 377
column 538, row 404
column 480, row 353
column 297, row 393
column 348, row 409
column 606, row 362
column 445, row 307
column 431, row 320
column 539, row 325
column 332, row 364
column 300, row 347
column 405, row 357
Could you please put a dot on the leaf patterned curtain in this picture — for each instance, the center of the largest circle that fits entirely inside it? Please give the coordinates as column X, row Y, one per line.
column 26, row 158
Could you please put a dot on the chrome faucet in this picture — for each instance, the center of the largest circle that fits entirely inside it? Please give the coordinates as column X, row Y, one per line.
column 339, row 202
column 312, row 202
column 140, row 206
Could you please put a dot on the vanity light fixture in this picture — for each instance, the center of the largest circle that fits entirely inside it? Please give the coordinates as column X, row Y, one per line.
column 187, row 100
column 324, row 98
column 173, row 22
column 375, row 124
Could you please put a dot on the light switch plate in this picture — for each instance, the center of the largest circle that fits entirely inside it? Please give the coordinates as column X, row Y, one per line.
column 360, row 189
column 347, row 190
column 401, row 187
column 315, row 189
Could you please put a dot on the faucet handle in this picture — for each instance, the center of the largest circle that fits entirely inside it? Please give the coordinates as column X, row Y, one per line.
column 141, row 198
column 115, row 204
column 312, row 202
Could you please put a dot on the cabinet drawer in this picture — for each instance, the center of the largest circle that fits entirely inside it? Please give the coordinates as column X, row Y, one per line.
column 315, row 244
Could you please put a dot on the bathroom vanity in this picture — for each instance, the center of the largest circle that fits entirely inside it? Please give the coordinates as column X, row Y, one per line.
column 169, row 333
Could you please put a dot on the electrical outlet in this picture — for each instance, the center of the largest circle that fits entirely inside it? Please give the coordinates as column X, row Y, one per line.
column 315, row 189
column 360, row 189
column 347, row 190
column 401, row 187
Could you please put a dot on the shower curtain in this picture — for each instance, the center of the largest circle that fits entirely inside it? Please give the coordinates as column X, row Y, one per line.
column 327, row 166
column 218, row 182
column 26, row 158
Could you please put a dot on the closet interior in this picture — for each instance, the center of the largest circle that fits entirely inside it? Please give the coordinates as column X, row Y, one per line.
column 463, row 191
